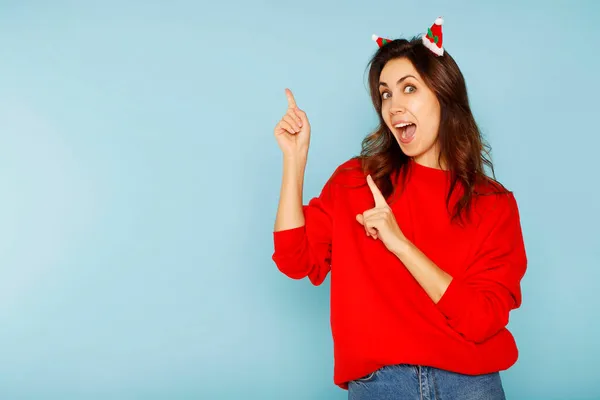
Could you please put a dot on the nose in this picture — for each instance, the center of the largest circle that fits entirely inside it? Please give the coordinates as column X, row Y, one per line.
column 397, row 107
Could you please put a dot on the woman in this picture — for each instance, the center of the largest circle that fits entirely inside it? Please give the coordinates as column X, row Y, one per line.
column 425, row 251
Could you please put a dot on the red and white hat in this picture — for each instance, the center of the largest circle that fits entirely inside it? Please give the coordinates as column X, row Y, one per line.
column 380, row 41
column 433, row 38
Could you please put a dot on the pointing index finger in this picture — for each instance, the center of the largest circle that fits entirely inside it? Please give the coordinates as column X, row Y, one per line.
column 379, row 198
column 290, row 98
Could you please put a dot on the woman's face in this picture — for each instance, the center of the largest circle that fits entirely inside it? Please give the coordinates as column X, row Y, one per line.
column 411, row 111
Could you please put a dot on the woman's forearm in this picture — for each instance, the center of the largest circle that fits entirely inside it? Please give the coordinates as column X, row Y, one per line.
column 432, row 278
column 289, row 212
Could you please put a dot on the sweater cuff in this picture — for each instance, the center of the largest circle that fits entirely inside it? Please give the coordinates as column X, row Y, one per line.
column 287, row 240
column 452, row 301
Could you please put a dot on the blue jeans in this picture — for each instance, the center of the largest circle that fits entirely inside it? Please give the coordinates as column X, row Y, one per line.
column 415, row 382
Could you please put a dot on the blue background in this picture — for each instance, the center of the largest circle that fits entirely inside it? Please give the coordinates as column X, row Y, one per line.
column 140, row 180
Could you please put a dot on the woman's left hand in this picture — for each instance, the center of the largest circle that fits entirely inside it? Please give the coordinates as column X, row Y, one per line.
column 380, row 222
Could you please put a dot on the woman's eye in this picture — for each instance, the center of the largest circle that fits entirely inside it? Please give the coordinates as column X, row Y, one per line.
column 409, row 89
column 385, row 95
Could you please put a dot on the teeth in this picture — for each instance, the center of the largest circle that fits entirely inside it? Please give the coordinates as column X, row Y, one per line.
column 403, row 124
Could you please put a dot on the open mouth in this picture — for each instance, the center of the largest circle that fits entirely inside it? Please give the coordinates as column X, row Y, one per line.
column 406, row 131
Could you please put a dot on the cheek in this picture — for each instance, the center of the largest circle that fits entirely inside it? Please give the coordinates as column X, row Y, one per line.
column 385, row 114
column 429, row 115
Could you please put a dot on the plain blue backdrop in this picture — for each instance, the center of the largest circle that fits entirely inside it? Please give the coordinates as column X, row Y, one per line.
column 140, row 180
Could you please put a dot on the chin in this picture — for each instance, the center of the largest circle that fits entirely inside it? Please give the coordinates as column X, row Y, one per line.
column 411, row 149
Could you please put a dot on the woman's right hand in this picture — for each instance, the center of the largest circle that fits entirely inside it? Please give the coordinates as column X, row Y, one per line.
column 293, row 130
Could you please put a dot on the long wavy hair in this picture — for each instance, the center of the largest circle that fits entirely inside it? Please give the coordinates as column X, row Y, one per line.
column 462, row 147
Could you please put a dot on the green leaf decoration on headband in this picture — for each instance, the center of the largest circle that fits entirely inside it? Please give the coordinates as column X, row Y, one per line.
column 436, row 39
column 429, row 33
column 384, row 42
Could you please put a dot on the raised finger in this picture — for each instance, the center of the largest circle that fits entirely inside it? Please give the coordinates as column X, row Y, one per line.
column 377, row 196
column 290, row 98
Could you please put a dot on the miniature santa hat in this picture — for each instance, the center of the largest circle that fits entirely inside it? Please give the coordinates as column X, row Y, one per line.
column 380, row 41
column 433, row 38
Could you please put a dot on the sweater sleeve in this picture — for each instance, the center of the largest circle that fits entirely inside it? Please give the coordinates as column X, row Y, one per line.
column 477, row 303
column 306, row 250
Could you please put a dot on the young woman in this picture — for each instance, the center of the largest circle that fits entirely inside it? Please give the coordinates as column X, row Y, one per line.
column 425, row 251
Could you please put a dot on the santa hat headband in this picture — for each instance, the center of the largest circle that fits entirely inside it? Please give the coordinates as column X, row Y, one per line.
column 432, row 39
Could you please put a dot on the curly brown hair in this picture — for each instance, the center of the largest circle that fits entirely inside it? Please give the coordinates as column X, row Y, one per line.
column 462, row 147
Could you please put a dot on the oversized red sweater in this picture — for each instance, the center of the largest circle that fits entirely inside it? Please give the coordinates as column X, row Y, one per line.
column 380, row 315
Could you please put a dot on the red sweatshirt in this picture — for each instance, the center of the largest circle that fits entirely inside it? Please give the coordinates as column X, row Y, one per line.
column 380, row 315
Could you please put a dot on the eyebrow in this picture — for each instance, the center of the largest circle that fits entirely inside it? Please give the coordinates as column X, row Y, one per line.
column 399, row 80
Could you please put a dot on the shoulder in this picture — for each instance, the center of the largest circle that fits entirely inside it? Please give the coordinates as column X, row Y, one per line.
column 350, row 172
column 495, row 205
column 352, row 164
column 346, row 175
column 494, row 202
column 499, row 224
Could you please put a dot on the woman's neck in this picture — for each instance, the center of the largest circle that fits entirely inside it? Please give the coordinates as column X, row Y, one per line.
column 431, row 158
column 430, row 161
